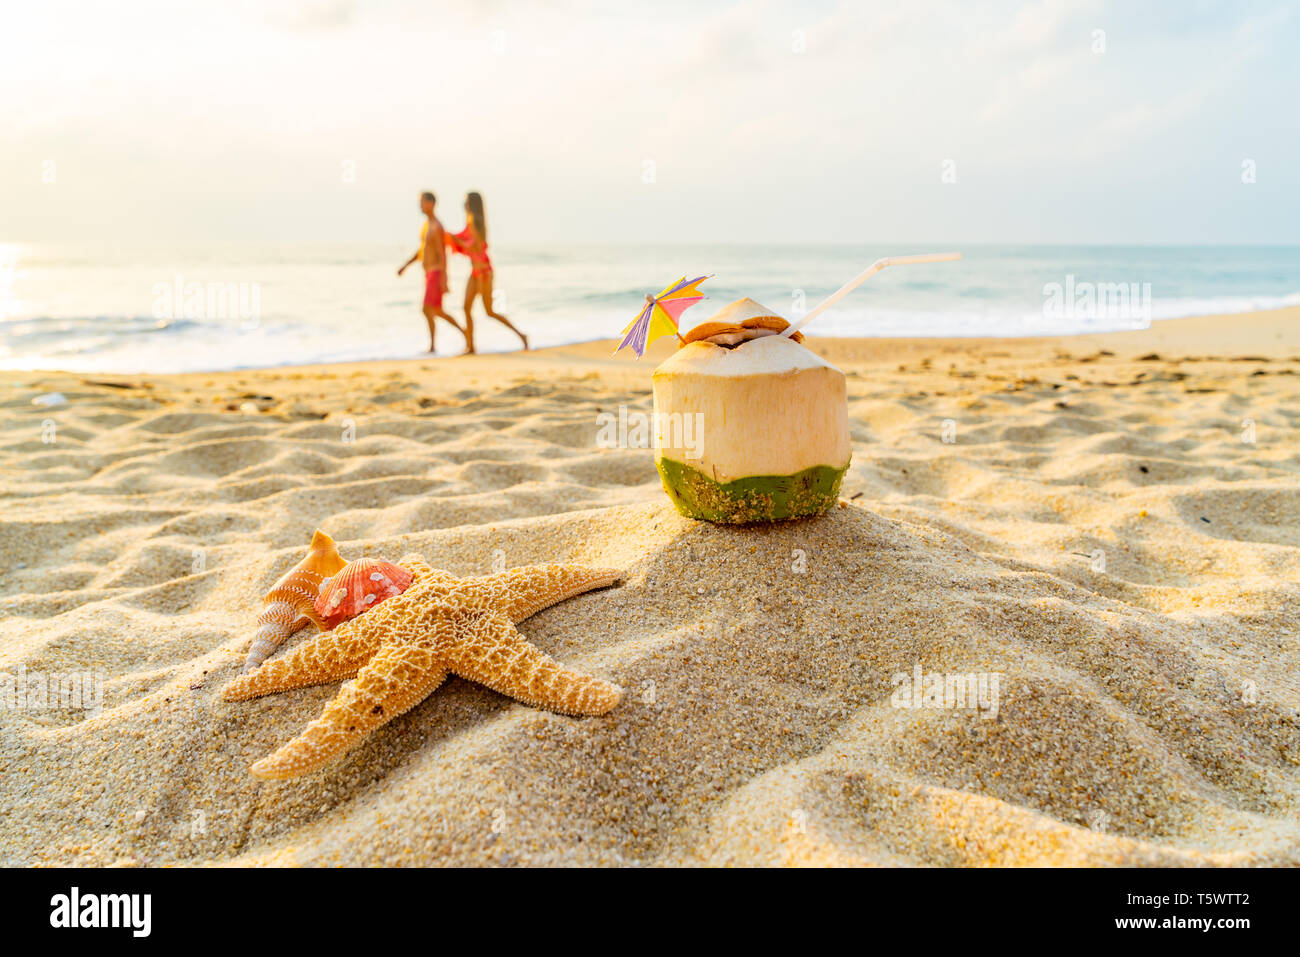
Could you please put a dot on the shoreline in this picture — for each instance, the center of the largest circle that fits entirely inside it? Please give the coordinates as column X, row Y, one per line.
column 1263, row 333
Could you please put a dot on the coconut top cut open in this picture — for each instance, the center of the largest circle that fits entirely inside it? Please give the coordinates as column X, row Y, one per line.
column 741, row 340
column 739, row 322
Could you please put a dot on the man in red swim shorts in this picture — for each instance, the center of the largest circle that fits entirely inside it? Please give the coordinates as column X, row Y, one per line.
column 433, row 257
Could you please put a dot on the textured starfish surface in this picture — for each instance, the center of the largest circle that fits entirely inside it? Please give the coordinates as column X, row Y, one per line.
column 398, row 652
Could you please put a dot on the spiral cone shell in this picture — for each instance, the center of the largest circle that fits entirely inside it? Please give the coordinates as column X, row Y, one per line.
column 288, row 605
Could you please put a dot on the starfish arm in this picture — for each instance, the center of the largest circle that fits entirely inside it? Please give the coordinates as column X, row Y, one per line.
column 488, row 649
column 330, row 656
column 528, row 590
column 396, row 679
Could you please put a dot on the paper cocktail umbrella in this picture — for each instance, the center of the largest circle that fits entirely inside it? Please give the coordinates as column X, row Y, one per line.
column 660, row 315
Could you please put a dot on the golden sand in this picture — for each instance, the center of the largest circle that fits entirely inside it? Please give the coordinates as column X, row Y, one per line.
column 1111, row 525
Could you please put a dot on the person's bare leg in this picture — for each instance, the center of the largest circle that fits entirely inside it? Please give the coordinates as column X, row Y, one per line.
column 485, row 291
column 443, row 314
column 429, row 314
column 471, row 290
column 433, row 313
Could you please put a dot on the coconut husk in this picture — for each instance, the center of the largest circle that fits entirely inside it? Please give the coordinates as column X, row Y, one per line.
column 739, row 322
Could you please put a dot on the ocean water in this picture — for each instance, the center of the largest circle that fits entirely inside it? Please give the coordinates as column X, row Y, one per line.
column 180, row 308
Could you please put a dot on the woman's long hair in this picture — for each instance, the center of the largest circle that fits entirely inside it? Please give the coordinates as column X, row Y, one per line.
column 474, row 204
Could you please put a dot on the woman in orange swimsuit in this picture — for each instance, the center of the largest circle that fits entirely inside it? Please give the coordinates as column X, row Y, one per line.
column 472, row 242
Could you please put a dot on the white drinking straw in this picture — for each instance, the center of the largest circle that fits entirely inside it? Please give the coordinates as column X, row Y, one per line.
column 862, row 277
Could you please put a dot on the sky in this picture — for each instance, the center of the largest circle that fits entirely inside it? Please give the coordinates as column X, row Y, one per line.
column 920, row 121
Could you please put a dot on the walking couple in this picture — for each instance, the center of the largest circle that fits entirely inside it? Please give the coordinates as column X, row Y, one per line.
column 432, row 254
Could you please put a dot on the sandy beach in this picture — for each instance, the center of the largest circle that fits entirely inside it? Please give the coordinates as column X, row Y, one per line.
column 1109, row 524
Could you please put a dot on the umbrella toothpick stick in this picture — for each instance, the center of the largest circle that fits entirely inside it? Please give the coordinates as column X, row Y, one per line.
column 862, row 277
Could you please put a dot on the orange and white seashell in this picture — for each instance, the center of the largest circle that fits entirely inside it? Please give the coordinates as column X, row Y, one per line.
column 288, row 605
column 357, row 588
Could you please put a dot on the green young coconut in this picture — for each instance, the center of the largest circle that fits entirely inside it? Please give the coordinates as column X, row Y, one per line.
column 759, row 498
column 754, row 429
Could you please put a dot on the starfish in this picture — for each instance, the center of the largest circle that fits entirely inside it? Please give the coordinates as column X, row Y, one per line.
column 398, row 652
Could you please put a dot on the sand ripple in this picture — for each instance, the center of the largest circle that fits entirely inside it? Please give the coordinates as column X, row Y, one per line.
column 1102, row 541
